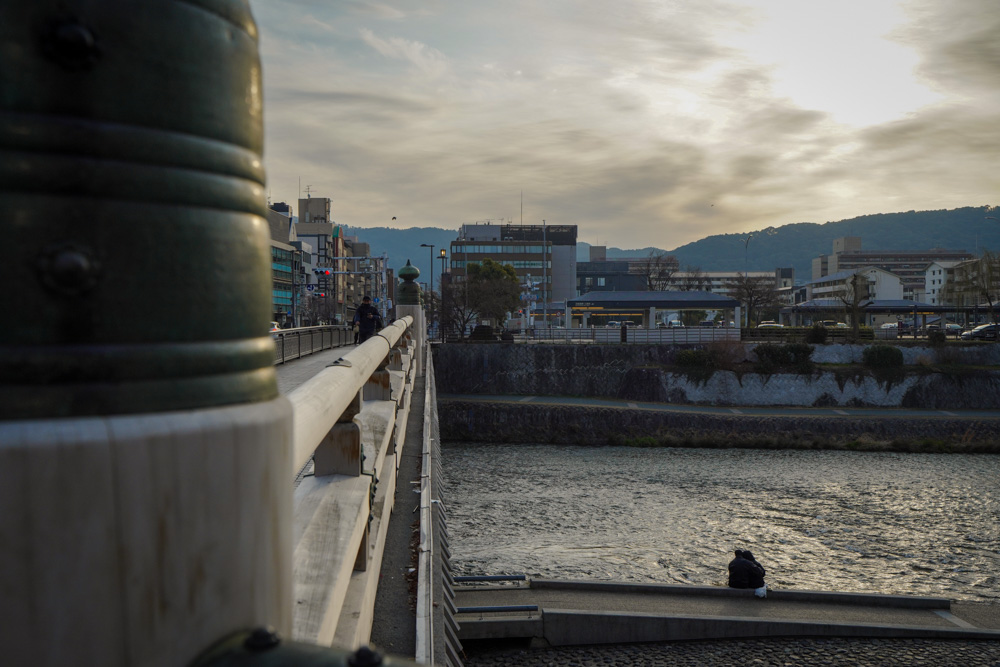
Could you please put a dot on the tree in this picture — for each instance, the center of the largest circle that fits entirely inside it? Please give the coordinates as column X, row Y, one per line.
column 755, row 293
column 693, row 318
column 855, row 297
column 457, row 314
column 490, row 291
column 695, row 280
column 658, row 269
column 975, row 282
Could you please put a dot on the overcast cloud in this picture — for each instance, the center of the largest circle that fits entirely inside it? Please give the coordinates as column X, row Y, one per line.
column 643, row 122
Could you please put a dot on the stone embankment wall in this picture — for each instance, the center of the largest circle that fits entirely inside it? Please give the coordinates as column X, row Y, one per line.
column 646, row 373
column 469, row 421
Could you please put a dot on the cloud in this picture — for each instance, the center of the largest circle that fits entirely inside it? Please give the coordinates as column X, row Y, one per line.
column 429, row 61
column 663, row 122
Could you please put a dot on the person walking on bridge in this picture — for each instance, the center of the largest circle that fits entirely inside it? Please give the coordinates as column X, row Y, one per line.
column 368, row 319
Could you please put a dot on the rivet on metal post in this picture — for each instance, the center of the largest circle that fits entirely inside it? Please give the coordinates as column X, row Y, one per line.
column 71, row 44
column 262, row 639
column 365, row 657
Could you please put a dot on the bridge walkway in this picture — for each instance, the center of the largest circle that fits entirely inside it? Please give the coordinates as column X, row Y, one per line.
column 575, row 612
column 393, row 628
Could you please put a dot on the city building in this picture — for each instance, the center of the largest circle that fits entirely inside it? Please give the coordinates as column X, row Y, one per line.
column 546, row 253
column 936, row 277
column 286, row 268
column 874, row 283
column 908, row 265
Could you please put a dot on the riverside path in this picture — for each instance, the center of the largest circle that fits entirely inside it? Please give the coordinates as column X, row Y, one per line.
column 760, row 411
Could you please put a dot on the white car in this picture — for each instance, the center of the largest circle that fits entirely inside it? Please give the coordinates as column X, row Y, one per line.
column 770, row 324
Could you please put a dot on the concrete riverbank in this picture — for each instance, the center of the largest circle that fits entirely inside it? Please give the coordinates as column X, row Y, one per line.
column 582, row 421
column 950, row 378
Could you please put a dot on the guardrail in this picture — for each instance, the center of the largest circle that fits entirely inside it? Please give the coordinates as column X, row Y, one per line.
column 437, row 631
column 295, row 343
column 349, row 420
column 671, row 336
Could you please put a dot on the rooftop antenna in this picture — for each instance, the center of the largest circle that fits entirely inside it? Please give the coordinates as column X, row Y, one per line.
column 308, row 190
column 522, row 207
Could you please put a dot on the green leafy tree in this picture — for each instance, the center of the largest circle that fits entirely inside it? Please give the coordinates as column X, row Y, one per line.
column 493, row 290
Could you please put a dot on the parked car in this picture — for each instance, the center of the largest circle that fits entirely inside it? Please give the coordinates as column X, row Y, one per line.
column 890, row 325
column 613, row 324
column 832, row 324
column 952, row 329
column 982, row 332
column 770, row 324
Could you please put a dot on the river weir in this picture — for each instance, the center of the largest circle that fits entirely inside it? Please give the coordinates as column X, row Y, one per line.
column 873, row 522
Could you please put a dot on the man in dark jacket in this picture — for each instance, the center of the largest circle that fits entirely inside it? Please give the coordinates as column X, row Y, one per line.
column 368, row 320
column 740, row 571
column 757, row 572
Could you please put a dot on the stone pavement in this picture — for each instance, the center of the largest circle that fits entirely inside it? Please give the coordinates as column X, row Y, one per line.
column 295, row 372
column 843, row 610
column 825, row 652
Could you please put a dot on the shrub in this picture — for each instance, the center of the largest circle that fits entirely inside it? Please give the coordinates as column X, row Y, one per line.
column 882, row 356
column 792, row 354
column 695, row 359
column 936, row 338
column 816, row 335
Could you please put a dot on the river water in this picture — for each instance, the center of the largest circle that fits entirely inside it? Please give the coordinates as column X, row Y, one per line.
column 918, row 524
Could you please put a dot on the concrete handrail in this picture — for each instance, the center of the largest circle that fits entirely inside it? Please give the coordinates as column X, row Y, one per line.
column 319, row 402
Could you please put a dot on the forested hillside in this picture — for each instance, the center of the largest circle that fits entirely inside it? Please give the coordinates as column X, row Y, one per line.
column 797, row 244
column 793, row 245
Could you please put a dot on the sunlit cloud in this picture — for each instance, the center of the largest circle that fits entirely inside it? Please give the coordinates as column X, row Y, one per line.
column 663, row 121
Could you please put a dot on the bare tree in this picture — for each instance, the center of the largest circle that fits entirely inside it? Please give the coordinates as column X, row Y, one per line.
column 855, row 297
column 658, row 269
column 975, row 282
column 695, row 280
column 755, row 293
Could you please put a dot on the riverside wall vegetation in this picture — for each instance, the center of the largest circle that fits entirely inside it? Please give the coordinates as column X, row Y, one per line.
column 935, row 380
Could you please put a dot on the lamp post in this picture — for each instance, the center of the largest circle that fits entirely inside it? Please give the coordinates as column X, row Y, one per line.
column 430, row 291
column 444, row 256
column 746, row 271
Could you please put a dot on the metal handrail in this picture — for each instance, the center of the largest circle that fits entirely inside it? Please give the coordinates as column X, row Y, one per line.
column 292, row 344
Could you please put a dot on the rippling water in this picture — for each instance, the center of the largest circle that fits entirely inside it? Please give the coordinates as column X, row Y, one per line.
column 920, row 524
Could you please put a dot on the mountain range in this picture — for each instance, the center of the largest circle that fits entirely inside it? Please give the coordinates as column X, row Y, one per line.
column 793, row 245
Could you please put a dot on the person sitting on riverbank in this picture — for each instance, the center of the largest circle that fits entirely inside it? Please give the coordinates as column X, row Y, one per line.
column 756, row 572
column 740, row 571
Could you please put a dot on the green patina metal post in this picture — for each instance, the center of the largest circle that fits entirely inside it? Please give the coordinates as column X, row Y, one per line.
column 145, row 454
column 408, row 293
column 135, row 264
column 408, row 302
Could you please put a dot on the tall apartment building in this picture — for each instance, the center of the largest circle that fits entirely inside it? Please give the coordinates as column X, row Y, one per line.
column 909, row 265
column 545, row 252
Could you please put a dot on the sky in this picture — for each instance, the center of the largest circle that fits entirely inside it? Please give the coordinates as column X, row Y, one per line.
column 643, row 122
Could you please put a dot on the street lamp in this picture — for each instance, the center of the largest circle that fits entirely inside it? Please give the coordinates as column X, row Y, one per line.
column 746, row 270
column 430, row 292
column 444, row 256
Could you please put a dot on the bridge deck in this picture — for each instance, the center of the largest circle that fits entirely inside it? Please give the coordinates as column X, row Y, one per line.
column 595, row 613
